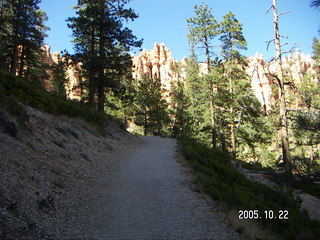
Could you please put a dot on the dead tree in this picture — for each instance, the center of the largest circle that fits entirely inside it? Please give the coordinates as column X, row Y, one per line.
column 280, row 80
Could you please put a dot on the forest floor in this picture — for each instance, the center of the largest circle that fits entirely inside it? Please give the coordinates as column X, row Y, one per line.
column 60, row 179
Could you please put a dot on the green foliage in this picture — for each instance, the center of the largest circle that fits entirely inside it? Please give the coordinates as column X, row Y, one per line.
column 21, row 38
column 12, row 105
column 311, row 188
column 102, row 44
column 224, row 183
column 203, row 28
column 151, row 108
column 231, row 37
column 316, row 49
column 180, row 104
column 32, row 94
column 59, row 80
column 306, row 124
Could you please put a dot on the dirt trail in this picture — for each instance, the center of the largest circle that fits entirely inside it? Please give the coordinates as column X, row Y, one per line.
column 148, row 196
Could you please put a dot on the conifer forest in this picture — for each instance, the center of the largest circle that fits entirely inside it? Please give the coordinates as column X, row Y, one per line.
column 211, row 105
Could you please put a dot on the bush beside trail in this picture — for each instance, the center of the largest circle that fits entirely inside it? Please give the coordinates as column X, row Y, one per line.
column 224, row 183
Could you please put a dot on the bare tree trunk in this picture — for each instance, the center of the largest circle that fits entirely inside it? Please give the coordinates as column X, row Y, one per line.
column 283, row 110
column 22, row 61
column 211, row 99
column 145, row 122
column 213, row 125
column 14, row 60
column 311, row 151
column 92, row 87
column 233, row 129
column 102, row 57
column 101, row 98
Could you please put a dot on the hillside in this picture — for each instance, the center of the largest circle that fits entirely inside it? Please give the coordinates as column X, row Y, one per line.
column 49, row 173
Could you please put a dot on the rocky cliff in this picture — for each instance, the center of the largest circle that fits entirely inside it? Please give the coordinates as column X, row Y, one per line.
column 296, row 66
column 159, row 63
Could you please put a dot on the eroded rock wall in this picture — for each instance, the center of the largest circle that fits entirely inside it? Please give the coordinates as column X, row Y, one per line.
column 160, row 63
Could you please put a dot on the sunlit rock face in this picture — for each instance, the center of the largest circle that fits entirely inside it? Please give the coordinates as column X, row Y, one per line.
column 261, row 82
column 295, row 67
column 157, row 63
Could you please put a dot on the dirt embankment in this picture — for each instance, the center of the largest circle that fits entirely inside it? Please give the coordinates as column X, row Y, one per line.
column 49, row 172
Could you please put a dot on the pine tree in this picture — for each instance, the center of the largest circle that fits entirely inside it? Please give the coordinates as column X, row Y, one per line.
column 203, row 28
column 4, row 33
column 315, row 3
column 181, row 114
column 59, row 80
column 151, row 108
column 307, row 119
column 316, row 49
column 103, row 44
column 21, row 37
column 232, row 41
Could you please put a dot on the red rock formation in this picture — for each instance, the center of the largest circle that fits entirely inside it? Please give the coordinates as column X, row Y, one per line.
column 159, row 63
column 156, row 63
column 296, row 66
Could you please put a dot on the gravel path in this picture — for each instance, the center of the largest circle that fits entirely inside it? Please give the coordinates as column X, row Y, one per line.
column 147, row 196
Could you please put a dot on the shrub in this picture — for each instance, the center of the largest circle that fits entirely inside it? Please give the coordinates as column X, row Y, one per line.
column 12, row 106
column 224, row 183
column 32, row 94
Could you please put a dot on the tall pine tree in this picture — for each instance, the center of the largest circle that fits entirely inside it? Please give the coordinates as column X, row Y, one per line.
column 22, row 33
column 151, row 108
column 203, row 29
column 103, row 44
column 238, row 85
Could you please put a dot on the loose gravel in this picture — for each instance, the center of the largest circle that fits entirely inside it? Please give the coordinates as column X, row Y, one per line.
column 60, row 179
column 148, row 196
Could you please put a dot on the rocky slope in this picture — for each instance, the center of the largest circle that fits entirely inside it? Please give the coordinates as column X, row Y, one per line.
column 49, row 170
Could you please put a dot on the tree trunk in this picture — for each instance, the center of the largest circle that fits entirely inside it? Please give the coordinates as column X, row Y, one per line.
column 145, row 122
column 22, row 61
column 233, row 140
column 311, row 151
column 283, row 110
column 213, row 128
column 14, row 60
column 211, row 99
column 92, row 87
column 101, row 98
column 232, row 128
column 102, row 59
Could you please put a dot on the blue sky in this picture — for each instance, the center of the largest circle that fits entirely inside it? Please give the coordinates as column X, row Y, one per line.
column 165, row 21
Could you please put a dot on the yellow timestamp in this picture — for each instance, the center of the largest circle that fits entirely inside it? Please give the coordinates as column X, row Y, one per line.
column 267, row 214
